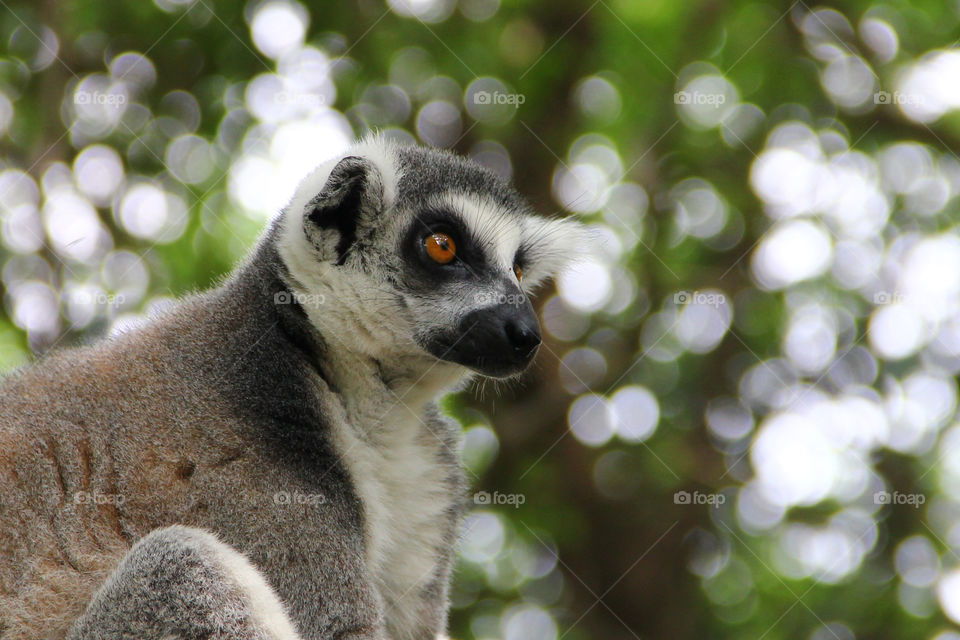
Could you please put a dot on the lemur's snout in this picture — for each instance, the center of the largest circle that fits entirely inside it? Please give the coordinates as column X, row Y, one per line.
column 498, row 340
column 524, row 337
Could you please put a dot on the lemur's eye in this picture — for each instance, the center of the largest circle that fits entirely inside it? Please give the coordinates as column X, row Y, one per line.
column 517, row 271
column 440, row 247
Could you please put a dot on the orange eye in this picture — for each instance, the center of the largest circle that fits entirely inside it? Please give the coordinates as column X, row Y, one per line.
column 517, row 271
column 440, row 247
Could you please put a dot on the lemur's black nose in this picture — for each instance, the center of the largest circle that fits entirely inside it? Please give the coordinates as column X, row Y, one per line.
column 523, row 337
column 498, row 340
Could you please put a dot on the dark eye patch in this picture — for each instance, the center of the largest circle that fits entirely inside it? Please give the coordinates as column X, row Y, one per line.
column 470, row 260
column 522, row 257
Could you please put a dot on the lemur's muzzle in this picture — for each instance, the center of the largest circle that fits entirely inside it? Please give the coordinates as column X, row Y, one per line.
column 498, row 340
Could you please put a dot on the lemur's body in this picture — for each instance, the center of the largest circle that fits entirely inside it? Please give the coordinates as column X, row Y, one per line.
column 291, row 412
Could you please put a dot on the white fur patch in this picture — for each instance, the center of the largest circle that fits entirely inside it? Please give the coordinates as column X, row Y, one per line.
column 551, row 246
column 496, row 229
column 391, row 457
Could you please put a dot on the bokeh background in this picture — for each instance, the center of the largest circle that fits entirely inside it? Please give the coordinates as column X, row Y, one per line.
column 743, row 423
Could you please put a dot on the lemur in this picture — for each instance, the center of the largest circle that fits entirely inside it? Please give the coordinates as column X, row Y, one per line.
column 267, row 460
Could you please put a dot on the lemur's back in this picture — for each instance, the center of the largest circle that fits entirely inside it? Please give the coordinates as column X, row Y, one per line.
column 55, row 550
column 92, row 458
column 100, row 445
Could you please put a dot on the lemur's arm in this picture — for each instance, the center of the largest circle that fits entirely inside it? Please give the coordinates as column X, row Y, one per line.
column 183, row 583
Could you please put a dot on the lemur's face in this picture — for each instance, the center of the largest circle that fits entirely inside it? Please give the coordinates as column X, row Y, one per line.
column 445, row 252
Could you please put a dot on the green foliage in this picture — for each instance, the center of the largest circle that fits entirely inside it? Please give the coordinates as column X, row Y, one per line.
column 602, row 545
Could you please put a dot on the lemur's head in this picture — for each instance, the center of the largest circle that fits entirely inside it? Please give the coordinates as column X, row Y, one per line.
column 413, row 252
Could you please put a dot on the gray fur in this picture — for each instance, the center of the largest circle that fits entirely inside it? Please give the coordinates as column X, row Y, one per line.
column 204, row 598
column 290, row 412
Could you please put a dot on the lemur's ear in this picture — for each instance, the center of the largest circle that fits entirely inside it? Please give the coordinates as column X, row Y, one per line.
column 352, row 192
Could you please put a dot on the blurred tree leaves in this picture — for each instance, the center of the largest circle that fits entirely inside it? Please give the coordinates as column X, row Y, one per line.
column 600, row 541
